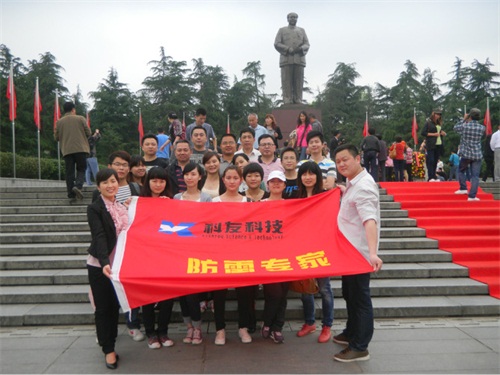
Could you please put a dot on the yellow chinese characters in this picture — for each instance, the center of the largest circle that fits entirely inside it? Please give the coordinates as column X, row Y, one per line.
column 239, row 266
column 201, row 266
column 313, row 260
column 274, row 265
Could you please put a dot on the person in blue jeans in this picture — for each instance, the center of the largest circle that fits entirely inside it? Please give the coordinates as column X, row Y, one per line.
column 92, row 166
column 310, row 182
column 454, row 160
column 470, row 152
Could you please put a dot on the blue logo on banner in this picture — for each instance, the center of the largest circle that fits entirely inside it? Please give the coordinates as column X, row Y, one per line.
column 182, row 229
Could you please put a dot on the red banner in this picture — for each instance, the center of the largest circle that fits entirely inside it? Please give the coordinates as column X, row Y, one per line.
column 174, row 248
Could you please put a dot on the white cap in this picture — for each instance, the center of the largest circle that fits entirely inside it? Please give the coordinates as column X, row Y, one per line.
column 276, row 174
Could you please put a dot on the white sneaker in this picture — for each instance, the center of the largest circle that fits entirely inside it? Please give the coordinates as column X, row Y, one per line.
column 461, row 192
column 474, row 199
column 189, row 336
column 136, row 334
column 220, row 337
column 244, row 336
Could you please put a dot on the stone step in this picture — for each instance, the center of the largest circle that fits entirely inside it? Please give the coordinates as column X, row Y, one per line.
column 392, row 214
column 407, row 243
column 414, row 256
column 399, row 232
column 27, row 195
column 45, row 227
column 384, row 307
column 44, row 277
column 77, row 207
column 397, row 222
column 40, row 237
column 62, row 201
column 45, row 218
column 54, row 262
column 53, row 288
column 42, row 249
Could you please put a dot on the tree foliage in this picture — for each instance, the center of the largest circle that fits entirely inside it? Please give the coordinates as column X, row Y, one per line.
column 182, row 87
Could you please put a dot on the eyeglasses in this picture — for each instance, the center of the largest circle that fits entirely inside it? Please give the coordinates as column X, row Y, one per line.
column 120, row 165
column 266, row 145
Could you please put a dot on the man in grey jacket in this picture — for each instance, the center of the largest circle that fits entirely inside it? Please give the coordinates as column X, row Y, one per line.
column 73, row 133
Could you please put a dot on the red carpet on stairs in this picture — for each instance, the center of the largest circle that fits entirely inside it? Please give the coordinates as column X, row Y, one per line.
column 470, row 231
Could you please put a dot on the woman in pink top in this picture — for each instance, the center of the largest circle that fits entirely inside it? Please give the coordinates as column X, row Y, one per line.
column 303, row 127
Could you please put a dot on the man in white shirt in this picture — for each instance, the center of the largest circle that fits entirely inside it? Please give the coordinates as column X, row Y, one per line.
column 359, row 222
column 247, row 141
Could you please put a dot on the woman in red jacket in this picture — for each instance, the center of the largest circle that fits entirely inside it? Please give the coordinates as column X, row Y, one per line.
column 399, row 160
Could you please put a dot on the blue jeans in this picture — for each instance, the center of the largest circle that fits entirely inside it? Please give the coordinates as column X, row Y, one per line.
column 132, row 319
column 359, row 326
column 475, row 169
column 93, row 168
column 453, row 172
column 325, row 290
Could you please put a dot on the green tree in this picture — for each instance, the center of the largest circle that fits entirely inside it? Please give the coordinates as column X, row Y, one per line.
column 252, row 73
column 116, row 115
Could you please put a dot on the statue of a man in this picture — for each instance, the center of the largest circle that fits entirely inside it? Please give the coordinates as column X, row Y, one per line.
column 292, row 44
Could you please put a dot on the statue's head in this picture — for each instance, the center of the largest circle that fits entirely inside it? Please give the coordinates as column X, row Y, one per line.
column 292, row 18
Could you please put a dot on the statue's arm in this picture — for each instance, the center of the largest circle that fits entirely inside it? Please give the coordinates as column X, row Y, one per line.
column 281, row 47
column 305, row 45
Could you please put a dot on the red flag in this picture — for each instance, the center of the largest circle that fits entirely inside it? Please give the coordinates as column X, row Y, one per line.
column 11, row 95
column 57, row 111
column 37, row 107
column 140, row 127
column 365, row 128
column 487, row 118
column 414, row 129
column 228, row 128
column 88, row 120
column 174, row 248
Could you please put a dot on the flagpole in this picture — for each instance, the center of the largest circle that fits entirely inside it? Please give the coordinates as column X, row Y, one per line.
column 12, row 109
column 37, row 121
column 140, row 149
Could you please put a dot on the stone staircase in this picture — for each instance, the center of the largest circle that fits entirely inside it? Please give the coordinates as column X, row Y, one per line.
column 43, row 279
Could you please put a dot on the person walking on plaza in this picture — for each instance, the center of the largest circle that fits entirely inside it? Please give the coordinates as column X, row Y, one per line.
column 359, row 222
column 471, row 132
column 73, row 133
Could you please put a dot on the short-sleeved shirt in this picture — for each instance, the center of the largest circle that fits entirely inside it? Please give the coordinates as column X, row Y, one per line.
column 165, row 154
column 274, row 165
column 291, row 190
column 254, row 155
column 360, row 202
column 208, row 128
column 327, row 166
column 158, row 162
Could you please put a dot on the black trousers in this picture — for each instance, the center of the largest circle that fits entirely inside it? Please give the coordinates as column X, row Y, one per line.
column 106, row 308
column 275, row 302
column 164, row 313
column 72, row 161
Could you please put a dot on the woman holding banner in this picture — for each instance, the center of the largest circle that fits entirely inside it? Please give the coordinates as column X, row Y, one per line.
column 107, row 218
column 232, row 178
column 156, row 186
column 310, row 182
column 190, row 304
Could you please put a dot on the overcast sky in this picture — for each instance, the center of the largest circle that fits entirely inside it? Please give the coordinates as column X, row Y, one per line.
column 89, row 37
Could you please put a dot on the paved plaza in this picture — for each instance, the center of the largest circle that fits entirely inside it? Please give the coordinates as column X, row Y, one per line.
column 450, row 346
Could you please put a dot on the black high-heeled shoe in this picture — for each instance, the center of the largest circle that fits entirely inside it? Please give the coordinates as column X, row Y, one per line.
column 112, row 366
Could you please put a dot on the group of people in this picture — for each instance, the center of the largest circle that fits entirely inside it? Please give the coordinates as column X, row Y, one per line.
column 253, row 173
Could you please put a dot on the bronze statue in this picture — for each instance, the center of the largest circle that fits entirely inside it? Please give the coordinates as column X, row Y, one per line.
column 292, row 44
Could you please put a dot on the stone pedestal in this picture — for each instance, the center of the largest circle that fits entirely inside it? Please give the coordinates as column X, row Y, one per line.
column 287, row 115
